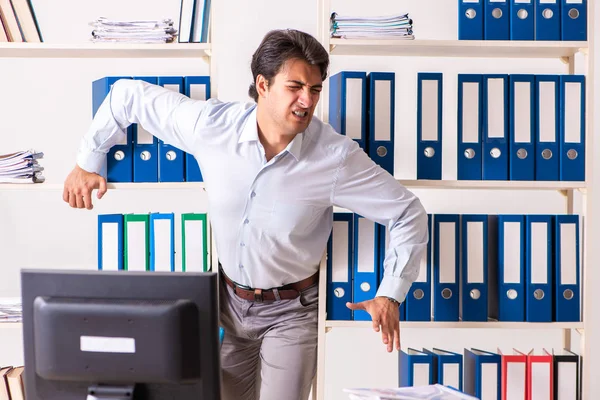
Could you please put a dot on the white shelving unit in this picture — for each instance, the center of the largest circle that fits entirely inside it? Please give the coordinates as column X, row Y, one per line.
column 566, row 52
column 90, row 50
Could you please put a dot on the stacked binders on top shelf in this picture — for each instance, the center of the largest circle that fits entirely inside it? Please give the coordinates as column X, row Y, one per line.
column 522, row 20
column 21, row 167
column 385, row 27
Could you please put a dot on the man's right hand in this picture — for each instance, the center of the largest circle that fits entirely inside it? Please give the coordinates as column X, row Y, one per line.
column 79, row 185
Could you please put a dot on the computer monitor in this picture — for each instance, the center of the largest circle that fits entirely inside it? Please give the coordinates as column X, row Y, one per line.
column 120, row 335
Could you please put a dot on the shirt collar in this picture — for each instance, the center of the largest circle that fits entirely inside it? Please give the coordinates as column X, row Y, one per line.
column 250, row 133
column 250, row 130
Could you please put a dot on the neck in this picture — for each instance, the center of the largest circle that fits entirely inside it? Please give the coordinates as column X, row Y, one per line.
column 270, row 135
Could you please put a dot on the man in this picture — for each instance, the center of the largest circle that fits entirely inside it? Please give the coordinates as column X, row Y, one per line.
column 273, row 174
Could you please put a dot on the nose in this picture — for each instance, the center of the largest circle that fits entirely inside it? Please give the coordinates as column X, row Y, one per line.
column 306, row 100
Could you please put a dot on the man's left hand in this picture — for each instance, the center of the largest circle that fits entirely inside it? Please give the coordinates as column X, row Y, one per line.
column 385, row 314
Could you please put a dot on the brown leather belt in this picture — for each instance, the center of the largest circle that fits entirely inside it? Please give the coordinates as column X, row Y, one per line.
column 286, row 292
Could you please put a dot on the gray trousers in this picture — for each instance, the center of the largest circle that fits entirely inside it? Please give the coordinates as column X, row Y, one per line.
column 269, row 351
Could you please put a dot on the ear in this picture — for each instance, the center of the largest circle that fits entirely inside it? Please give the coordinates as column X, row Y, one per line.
column 262, row 86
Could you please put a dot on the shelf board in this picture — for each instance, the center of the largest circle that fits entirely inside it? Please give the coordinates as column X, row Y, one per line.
column 462, row 324
column 111, row 186
column 104, row 50
column 503, row 185
column 11, row 325
column 456, row 48
column 411, row 184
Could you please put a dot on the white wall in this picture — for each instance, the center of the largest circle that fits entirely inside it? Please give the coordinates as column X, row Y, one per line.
column 45, row 104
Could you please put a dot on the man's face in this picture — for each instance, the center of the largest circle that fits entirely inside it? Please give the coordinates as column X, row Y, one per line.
column 292, row 96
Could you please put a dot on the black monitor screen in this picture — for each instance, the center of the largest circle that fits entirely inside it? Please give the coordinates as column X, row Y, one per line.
column 120, row 334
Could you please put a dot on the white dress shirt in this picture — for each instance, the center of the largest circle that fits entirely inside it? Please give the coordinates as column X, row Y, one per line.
column 271, row 220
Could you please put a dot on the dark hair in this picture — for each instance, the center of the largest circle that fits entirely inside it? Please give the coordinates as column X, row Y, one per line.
column 277, row 47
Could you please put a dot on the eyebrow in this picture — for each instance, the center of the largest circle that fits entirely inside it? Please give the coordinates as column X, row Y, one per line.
column 319, row 86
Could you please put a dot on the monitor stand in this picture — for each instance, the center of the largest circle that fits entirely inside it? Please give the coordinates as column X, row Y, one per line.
column 106, row 392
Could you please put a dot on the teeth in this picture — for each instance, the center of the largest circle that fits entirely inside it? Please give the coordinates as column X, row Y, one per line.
column 299, row 113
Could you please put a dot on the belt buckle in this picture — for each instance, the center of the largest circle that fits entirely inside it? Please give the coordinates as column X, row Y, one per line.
column 258, row 297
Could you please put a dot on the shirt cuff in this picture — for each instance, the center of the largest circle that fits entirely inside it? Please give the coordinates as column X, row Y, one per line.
column 92, row 161
column 394, row 287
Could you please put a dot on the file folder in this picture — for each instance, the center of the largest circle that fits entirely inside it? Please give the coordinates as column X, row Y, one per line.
column 145, row 149
column 171, row 160
column 495, row 127
column 511, row 268
column 547, row 20
column 447, row 368
column 572, row 128
column 496, row 25
column 547, row 128
column 493, row 276
column 429, row 125
column 381, row 119
column 474, row 265
column 482, row 374
column 540, row 375
column 348, row 105
column 538, row 250
column 162, row 242
column 470, row 19
column 136, row 240
column 402, row 311
column 566, row 375
column 522, row 20
column 194, row 243
column 470, row 95
column 522, row 128
column 415, row 368
column 567, row 284
column 339, row 267
column 365, row 264
column 514, row 375
column 574, row 20
column 445, row 267
column 197, row 88
column 110, row 242
column 418, row 299
column 119, row 160
column 201, row 18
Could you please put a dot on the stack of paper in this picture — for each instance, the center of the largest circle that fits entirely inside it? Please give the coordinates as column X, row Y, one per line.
column 21, row 167
column 11, row 309
column 106, row 30
column 431, row 392
column 386, row 27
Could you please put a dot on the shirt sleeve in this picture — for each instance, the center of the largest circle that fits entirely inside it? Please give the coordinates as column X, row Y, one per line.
column 168, row 115
column 366, row 189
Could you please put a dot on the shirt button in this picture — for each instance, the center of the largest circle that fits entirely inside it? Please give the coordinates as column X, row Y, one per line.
column 241, row 266
column 242, row 244
column 246, row 221
column 253, row 194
